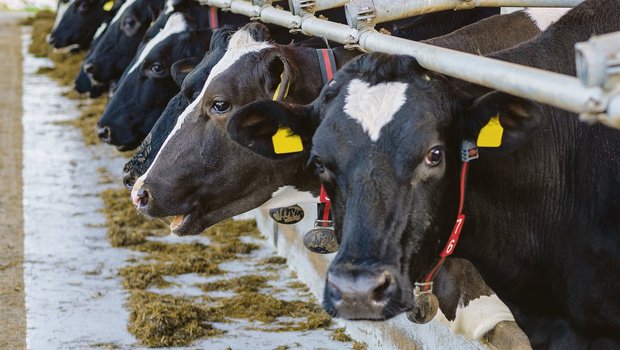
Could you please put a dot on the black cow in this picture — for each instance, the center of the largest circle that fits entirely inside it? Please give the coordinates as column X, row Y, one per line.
column 142, row 93
column 118, row 44
column 542, row 225
column 78, row 20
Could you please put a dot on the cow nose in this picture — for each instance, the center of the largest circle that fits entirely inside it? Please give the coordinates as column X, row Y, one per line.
column 140, row 198
column 90, row 68
column 104, row 133
column 362, row 295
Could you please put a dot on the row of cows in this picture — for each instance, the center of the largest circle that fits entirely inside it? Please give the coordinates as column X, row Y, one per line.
column 203, row 93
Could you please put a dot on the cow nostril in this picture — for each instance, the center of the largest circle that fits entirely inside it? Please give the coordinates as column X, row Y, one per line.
column 104, row 134
column 89, row 68
column 51, row 39
column 334, row 291
column 129, row 180
column 383, row 290
column 143, row 198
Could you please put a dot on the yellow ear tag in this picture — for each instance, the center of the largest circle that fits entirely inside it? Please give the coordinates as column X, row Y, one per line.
column 284, row 141
column 491, row 134
column 108, row 5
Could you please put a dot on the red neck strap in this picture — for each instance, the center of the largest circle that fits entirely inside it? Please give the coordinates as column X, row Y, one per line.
column 469, row 152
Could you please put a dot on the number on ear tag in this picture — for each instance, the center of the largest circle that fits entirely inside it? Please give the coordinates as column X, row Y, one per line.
column 108, row 6
column 284, row 141
column 491, row 134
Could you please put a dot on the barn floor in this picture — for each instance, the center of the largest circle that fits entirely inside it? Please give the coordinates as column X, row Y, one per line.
column 12, row 315
column 67, row 272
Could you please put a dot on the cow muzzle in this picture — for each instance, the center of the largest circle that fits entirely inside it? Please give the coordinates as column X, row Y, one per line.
column 361, row 295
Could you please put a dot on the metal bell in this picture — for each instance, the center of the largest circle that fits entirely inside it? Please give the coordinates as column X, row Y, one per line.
column 425, row 305
column 287, row 215
column 322, row 238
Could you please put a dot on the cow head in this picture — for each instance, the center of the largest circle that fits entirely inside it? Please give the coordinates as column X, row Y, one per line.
column 191, row 85
column 77, row 21
column 144, row 90
column 386, row 146
column 199, row 175
column 118, row 44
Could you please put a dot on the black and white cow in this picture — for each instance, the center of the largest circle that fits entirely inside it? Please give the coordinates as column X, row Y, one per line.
column 146, row 87
column 436, row 24
column 541, row 209
column 78, row 20
column 214, row 179
column 119, row 42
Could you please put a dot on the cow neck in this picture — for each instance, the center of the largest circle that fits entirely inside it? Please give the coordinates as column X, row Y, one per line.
column 327, row 63
column 469, row 152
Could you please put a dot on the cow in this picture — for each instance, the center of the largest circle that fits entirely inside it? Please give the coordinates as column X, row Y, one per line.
column 120, row 40
column 144, row 90
column 221, row 180
column 541, row 202
column 77, row 22
column 444, row 22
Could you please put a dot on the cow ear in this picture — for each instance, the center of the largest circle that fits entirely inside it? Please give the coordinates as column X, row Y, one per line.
column 273, row 129
column 181, row 68
column 279, row 78
column 500, row 122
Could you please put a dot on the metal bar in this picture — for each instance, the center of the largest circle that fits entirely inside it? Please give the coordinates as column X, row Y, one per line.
column 301, row 7
column 555, row 89
column 390, row 10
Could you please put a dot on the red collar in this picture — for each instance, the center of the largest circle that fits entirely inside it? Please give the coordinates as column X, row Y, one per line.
column 469, row 152
column 327, row 62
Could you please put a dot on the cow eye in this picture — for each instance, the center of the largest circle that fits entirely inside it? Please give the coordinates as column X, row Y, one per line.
column 130, row 25
column 434, row 156
column 157, row 68
column 220, row 106
column 83, row 7
column 318, row 164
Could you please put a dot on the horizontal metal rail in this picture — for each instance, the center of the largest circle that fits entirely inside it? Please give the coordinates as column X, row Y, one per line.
column 554, row 89
column 300, row 7
column 380, row 11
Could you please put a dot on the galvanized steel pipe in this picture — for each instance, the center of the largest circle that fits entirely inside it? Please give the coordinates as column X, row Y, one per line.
column 381, row 11
column 300, row 7
column 555, row 89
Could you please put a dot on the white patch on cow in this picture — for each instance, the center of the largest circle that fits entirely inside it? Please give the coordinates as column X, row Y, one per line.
column 288, row 195
column 100, row 30
column 121, row 10
column 374, row 106
column 60, row 12
column 169, row 6
column 240, row 44
column 544, row 17
column 175, row 24
column 479, row 316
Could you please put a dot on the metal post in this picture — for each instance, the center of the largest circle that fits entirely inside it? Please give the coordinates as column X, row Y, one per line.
column 365, row 12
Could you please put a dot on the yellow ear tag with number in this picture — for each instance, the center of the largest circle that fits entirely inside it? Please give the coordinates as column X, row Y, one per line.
column 108, row 6
column 284, row 141
column 491, row 134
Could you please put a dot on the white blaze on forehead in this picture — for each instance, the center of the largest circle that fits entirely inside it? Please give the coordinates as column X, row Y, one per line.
column 288, row 195
column 60, row 12
column 100, row 30
column 544, row 17
column 121, row 10
column 373, row 107
column 240, row 44
column 175, row 24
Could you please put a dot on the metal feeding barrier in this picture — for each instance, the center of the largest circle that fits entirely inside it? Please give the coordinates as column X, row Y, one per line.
column 595, row 94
